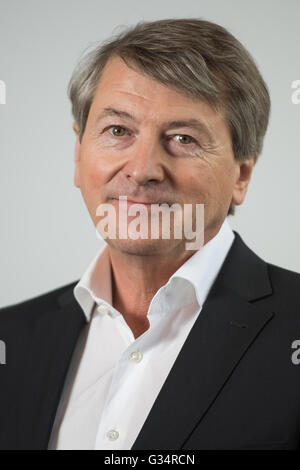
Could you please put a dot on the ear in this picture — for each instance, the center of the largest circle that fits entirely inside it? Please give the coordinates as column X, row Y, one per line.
column 77, row 157
column 244, row 172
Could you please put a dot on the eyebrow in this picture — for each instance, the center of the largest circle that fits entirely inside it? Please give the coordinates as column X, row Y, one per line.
column 191, row 123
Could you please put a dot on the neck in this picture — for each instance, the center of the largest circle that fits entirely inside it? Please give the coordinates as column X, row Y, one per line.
column 136, row 279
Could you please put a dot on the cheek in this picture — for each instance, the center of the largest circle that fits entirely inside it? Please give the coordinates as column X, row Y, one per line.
column 208, row 183
column 94, row 177
column 224, row 186
column 198, row 184
column 91, row 183
column 92, row 172
column 99, row 166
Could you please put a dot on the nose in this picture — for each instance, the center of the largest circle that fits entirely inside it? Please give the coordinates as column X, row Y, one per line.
column 145, row 164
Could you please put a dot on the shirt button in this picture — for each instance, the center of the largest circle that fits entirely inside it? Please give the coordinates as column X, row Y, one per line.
column 135, row 356
column 103, row 309
column 112, row 435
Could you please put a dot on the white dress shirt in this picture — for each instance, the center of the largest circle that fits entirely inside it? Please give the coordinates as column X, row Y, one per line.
column 114, row 379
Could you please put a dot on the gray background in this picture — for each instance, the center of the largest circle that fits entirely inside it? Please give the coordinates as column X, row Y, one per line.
column 47, row 237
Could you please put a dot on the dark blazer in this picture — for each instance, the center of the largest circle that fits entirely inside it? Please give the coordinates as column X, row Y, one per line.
column 233, row 385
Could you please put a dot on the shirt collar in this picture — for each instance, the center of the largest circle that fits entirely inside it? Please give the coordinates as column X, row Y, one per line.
column 96, row 283
column 193, row 278
column 202, row 268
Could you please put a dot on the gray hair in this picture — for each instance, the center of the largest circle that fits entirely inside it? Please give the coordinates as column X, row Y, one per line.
column 196, row 57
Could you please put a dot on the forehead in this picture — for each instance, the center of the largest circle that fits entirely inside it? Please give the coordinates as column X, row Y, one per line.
column 120, row 83
column 118, row 77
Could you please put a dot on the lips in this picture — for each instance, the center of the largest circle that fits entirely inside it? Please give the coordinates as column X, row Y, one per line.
column 147, row 203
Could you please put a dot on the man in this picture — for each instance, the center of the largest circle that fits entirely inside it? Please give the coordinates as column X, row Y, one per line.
column 158, row 346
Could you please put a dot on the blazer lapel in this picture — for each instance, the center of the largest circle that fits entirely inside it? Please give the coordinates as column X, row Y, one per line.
column 226, row 327
column 53, row 340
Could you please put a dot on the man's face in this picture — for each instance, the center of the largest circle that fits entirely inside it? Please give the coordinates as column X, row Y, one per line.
column 136, row 144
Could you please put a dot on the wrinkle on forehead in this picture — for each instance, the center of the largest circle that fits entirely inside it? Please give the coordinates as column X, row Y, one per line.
column 170, row 104
column 134, row 94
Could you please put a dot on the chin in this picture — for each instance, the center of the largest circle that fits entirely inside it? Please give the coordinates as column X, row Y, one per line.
column 142, row 247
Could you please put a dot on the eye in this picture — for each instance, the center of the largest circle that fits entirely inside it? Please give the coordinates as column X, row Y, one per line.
column 118, row 131
column 185, row 139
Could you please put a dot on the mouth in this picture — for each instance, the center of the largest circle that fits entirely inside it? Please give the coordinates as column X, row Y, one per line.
column 145, row 203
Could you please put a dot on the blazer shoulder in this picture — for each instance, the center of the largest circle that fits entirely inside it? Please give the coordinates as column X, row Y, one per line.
column 281, row 275
column 286, row 284
column 278, row 274
column 45, row 301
